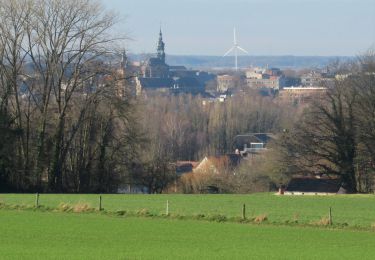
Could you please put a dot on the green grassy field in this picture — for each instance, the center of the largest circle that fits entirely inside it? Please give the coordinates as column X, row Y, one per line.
column 351, row 210
column 52, row 235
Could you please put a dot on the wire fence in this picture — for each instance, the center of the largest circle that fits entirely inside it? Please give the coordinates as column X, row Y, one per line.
column 320, row 210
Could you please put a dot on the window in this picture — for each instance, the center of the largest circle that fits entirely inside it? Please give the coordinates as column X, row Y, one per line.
column 256, row 145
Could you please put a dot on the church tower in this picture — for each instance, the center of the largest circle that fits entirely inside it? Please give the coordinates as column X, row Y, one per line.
column 160, row 50
column 121, row 74
column 124, row 60
column 155, row 66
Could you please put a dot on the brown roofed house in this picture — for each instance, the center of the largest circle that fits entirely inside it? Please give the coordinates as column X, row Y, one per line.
column 183, row 167
column 252, row 143
column 218, row 164
column 311, row 185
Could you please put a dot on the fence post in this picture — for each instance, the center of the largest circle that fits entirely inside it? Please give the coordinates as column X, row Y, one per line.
column 244, row 211
column 167, row 209
column 37, row 200
column 100, row 202
column 330, row 215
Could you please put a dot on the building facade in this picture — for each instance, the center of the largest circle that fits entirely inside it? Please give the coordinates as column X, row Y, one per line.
column 156, row 67
column 265, row 78
column 159, row 77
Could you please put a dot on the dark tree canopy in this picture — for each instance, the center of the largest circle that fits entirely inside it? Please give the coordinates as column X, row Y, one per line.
column 334, row 134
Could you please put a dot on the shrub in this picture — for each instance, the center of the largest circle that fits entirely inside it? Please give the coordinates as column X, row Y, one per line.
column 77, row 208
column 65, row 207
column 199, row 216
column 82, row 207
column 324, row 221
column 218, row 218
column 295, row 218
column 175, row 216
column 260, row 218
column 143, row 212
column 120, row 212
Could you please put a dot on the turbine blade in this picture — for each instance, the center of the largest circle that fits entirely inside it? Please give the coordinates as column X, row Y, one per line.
column 234, row 36
column 243, row 50
column 230, row 50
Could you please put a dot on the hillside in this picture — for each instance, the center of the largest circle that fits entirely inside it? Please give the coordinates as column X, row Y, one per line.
column 287, row 61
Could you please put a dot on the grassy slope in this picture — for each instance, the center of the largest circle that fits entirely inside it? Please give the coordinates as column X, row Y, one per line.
column 355, row 210
column 41, row 235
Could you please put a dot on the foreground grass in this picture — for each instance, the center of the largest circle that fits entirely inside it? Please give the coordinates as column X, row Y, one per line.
column 47, row 235
column 350, row 210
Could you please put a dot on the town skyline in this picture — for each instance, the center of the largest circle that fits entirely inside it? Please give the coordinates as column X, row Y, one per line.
column 301, row 28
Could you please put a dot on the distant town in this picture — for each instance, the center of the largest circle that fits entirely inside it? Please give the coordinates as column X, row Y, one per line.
column 105, row 154
column 95, row 118
column 293, row 83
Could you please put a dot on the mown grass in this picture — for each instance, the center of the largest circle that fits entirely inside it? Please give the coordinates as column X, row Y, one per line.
column 48, row 235
column 347, row 210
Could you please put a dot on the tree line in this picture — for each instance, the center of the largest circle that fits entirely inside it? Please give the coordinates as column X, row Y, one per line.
column 332, row 136
column 63, row 126
column 188, row 128
column 335, row 136
column 68, row 123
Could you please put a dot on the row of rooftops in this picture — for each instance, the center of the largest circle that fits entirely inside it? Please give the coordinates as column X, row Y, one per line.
column 243, row 144
column 298, row 185
column 159, row 75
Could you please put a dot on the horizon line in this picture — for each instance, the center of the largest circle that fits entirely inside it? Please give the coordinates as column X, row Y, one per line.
column 255, row 55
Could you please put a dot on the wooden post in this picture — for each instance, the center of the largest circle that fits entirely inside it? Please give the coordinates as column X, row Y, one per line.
column 100, row 202
column 330, row 215
column 167, row 209
column 244, row 211
column 37, row 200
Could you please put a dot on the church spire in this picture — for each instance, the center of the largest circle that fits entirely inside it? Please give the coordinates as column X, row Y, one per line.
column 124, row 59
column 160, row 50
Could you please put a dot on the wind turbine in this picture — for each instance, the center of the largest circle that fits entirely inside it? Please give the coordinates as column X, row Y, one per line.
column 235, row 48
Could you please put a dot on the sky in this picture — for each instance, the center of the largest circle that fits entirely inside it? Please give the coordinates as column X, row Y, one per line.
column 264, row 27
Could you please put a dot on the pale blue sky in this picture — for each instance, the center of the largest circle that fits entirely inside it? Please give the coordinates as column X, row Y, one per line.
column 264, row 27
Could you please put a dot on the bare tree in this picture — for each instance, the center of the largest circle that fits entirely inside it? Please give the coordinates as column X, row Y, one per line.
column 364, row 83
column 323, row 141
column 13, row 22
column 64, row 38
column 56, row 87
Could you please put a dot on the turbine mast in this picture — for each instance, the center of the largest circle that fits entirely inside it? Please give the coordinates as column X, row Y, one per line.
column 235, row 49
column 236, row 58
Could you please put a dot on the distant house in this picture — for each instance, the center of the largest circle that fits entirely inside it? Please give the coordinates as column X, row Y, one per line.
column 218, row 164
column 252, row 143
column 169, row 85
column 226, row 82
column 222, row 98
column 177, row 68
column 183, row 167
column 265, row 78
column 187, row 85
column 312, row 185
column 157, row 84
column 311, row 79
column 132, row 188
column 297, row 95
